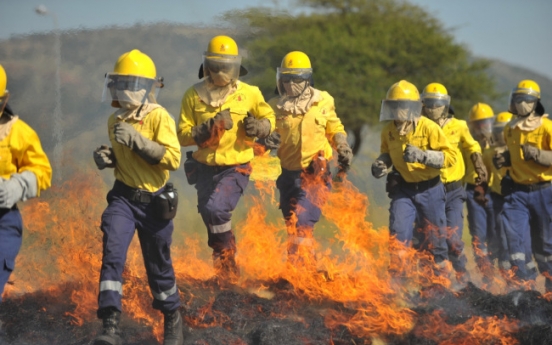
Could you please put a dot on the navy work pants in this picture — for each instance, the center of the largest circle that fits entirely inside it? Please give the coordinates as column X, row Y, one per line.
column 11, row 229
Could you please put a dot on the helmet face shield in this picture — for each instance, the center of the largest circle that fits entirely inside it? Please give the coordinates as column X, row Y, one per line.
column 523, row 101
column 481, row 129
column 400, row 110
column 498, row 135
column 4, row 101
column 435, row 105
column 131, row 89
column 222, row 69
column 293, row 81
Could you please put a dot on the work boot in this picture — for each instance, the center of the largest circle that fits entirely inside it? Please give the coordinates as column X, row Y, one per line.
column 111, row 334
column 225, row 265
column 173, row 328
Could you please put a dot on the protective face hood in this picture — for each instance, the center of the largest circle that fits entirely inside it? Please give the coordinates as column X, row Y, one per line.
column 131, row 99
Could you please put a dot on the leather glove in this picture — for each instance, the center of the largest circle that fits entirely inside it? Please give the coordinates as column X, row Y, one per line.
column 502, row 159
column 479, row 167
column 271, row 142
column 149, row 150
column 104, row 157
column 19, row 187
column 413, row 154
column 256, row 128
column 344, row 152
column 479, row 194
column 213, row 127
column 542, row 157
column 379, row 169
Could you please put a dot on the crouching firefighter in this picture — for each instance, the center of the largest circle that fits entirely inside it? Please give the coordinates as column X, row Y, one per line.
column 222, row 116
column 308, row 129
column 417, row 149
column 144, row 149
column 527, row 191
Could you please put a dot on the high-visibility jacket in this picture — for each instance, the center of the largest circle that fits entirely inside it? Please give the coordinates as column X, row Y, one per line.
column 529, row 172
column 304, row 136
column 21, row 150
column 427, row 135
column 134, row 171
column 459, row 136
column 495, row 175
column 234, row 146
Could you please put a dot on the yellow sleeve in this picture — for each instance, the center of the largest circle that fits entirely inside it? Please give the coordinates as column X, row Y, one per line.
column 469, row 144
column 439, row 142
column 263, row 110
column 165, row 134
column 29, row 155
column 187, row 120
column 334, row 125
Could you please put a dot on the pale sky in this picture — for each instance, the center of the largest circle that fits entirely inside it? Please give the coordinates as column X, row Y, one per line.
column 516, row 32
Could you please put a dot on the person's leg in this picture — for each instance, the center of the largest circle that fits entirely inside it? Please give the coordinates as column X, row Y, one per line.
column 454, row 209
column 541, row 202
column 402, row 215
column 515, row 221
column 477, row 224
column 11, row 230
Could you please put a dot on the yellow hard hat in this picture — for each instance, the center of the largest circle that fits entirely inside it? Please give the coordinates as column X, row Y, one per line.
column 503, row 117
column 480, row 111
column 296, row 59
column 529, row 87
column 3, row 81
column 135, row 63
column 435, row 88
column 403, row 90
column 223, row 45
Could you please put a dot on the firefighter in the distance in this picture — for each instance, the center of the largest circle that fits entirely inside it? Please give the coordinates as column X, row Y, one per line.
column 309, row 129
column 481, row 218
column 526, row 189
column 417, row 149
column 495, row 177
column 24, row 171
column 144, row 148
column 222, row 116
column 436, row 106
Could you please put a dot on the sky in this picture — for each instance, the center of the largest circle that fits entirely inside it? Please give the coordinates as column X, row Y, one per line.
column 513, row 31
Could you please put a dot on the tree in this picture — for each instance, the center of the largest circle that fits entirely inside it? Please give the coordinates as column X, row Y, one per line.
column 359, row 48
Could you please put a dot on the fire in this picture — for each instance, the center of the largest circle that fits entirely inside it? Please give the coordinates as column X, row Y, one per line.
column 63, row 245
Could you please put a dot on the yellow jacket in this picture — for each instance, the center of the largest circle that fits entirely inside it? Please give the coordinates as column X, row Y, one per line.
column 459, row 136
column 130, row 168
column 427, row 135
column 21, row 150
column 303, row 136
column 529, row 172
column 234, row 146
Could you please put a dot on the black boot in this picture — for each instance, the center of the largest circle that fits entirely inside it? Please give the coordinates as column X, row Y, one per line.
column 173, row 329
column 111, row 334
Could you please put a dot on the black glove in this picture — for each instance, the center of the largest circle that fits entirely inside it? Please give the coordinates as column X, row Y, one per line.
column 104, row 157
column 271, row 142
column 502, row 159
column 479, row 194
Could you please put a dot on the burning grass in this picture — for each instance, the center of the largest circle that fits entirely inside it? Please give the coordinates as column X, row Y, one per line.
column 348, row 298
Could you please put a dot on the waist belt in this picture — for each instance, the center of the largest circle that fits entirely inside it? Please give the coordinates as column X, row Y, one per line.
column 423, row 185
column 531, row 187
column 453, row 185
column 134, row 194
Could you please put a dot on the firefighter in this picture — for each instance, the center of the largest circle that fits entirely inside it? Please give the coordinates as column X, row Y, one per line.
column 481, row 217
column 436, row 106
column 25, row 171
column 526, row 189
column 308, row 129
column 144, row 148
column 417, row 149
column 222, row 116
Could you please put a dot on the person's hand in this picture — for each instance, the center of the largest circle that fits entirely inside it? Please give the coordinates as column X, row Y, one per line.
column 479, row 194
column 125, row 134
column 529, row 152
column 379, row 169
column 223, row 119
column 344, row 155
column 255, row 127
column 104, row 157
column 413, row 154
column 501, row 159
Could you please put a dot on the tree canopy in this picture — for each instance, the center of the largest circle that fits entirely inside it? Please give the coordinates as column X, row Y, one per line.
column 359, row 48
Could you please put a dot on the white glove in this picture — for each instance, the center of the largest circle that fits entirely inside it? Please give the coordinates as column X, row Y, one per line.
column 19, row 187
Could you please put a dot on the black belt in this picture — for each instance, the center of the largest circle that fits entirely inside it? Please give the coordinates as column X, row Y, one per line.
column 450, row 186
column 531, row 187
column 133, row 194
column 423, row 185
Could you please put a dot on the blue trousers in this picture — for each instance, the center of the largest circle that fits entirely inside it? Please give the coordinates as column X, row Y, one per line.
column 454, row 210
column 120, row 220
column 294, row 198
column 481, row 223
column 528, row 215
column 11, row 230
column 428, row 207
column 219, row 189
